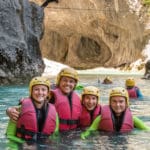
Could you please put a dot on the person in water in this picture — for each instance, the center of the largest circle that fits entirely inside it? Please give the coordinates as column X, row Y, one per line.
column 91, row 108
column 38, row 118
column 66, row 100
column 107, row 80
column 116, row 117
column 133, row 91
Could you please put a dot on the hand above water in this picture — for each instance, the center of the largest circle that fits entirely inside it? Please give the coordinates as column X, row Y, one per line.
column 85, row 134
column 13, row 113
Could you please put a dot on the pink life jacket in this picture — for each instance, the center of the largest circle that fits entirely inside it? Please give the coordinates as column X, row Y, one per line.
column 106, row 123
column 133, row 92
column 68, row 116
column 27, row 123
column 86, row 119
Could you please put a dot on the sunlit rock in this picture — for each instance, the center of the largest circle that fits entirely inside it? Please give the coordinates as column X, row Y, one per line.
column 88, row 33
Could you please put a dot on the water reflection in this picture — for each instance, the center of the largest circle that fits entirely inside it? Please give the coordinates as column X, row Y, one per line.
column 9, row 96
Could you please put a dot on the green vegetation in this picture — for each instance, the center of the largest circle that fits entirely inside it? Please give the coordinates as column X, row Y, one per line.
column 146, row 2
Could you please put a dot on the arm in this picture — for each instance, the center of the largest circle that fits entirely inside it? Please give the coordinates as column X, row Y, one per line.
column 57, row 125
column 11, row 132
column 13, row 113
column 55, row 135
column 93, row 127
column 79, row 87
column 139, row 94
column 140, row 124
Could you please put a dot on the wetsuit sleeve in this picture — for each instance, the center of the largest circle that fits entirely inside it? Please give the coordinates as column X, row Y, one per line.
column 57, row 125
column 139, row 94
column 140, row 124
column 12, row 126
column 79, row 87
column 11, row 132
column 93, row 127
column 55, row 135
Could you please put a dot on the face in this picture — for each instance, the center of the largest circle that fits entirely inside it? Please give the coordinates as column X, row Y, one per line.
column 67, row 84
column 118, row 104
column 90, row 102
column 40, row 93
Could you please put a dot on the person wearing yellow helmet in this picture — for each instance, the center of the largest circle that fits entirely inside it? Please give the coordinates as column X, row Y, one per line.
column 107, row 80
column 66, row 100
column 116, row 117
column 91, row 108
column 133, row 91
column 36, row 108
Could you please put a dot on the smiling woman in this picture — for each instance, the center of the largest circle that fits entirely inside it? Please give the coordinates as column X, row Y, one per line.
column 91, row 108
column 66, row 100
column 37, row 109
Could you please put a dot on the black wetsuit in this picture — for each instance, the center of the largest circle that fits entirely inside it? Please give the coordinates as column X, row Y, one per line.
column 41, row 116
column 117, row 121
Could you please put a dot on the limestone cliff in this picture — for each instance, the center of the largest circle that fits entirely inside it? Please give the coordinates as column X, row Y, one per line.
column 21, row 27
column 92, row 33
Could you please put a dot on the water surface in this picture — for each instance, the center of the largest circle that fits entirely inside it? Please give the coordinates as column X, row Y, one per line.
column 10, row 95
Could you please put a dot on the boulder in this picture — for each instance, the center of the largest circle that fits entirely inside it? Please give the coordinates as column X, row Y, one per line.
column 147, row 70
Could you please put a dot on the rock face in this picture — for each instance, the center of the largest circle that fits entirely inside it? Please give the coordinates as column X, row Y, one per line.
column 21, row 27
column 88, row 33
column 147, row 70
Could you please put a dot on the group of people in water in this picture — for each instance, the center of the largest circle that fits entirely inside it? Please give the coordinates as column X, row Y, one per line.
column 46, row 111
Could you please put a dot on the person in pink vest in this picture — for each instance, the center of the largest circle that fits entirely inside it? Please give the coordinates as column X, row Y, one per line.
column 116, row 117
column 66, row 100
column 91, row 108
column 38, row 118
column 133, row 91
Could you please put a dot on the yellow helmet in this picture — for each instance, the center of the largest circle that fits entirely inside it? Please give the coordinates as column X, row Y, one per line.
column 91, row 90
column 130, row 82
column 119, row 91
column 108, row 78
column 38, row 81
column 67, row 72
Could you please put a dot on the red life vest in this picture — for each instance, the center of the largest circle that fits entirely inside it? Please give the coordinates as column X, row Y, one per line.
column 27, row 123
column 86, row 119
column 133, row 92
column 68, row 116
column 106, row 123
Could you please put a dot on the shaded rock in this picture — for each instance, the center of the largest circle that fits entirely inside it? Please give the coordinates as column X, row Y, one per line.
column 21, row 28
column 147, row 70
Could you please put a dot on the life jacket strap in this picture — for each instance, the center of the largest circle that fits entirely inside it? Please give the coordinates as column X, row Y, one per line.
column 69, row 122
column 34, row 135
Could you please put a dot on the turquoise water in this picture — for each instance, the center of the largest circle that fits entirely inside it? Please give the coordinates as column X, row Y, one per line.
column 9, row 96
